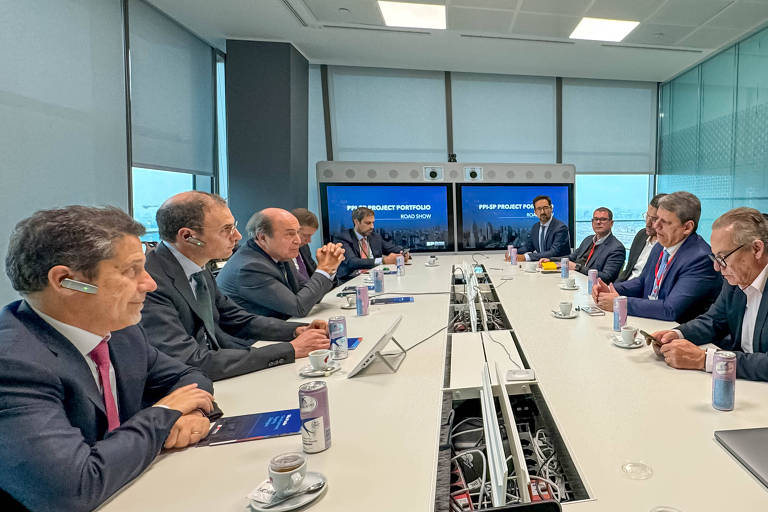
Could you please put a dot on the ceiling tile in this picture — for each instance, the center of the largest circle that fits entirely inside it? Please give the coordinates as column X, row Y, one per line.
column 479, row 20
column 544, row 25
column 561, row 7
column 636, row 10
column 689, row 13
column 366, row 12
column 664, row 35
column 741, row 15
column 487, row 4
column 708, row 38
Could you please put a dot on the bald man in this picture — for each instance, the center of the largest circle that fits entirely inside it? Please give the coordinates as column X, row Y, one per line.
column 261, row 276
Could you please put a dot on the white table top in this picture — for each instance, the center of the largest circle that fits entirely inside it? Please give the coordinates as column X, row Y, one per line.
column 612, row 405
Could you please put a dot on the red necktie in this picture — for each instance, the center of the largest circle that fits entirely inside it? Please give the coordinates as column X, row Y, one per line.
column 100, row 356
column 364, row 251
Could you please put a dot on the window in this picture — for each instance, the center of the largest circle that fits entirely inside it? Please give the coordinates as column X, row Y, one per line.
column 150, row 188
column 221, row 127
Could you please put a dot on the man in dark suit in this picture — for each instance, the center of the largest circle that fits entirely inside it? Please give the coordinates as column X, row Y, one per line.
column 261, row 275
column 86, row 403
column 738, row 320
column 644, row 241
column 308, row 224
column 678, row 283
column 601, row 251
column 363, row 247
column 548, row 238
column 188, row 318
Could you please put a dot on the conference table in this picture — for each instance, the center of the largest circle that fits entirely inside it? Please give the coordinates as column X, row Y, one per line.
column 612, row 406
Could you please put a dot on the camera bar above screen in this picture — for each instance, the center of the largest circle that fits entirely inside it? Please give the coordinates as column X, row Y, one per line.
column 417, row 216
column 492, row 216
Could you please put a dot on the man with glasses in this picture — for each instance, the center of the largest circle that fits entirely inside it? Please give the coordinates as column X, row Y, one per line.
column 641, row 246
column 548, row 238
column 188, row 318
column 601, row 251
column 678, row 282
column 738, row 320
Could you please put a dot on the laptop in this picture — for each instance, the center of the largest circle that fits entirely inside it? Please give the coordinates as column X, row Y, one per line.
column 750, row 447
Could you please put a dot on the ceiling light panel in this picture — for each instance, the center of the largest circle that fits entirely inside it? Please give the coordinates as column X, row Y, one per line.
column 600, row 29
column 411, row 15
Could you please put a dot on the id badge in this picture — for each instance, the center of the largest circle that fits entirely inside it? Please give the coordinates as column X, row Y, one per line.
column 652, row 297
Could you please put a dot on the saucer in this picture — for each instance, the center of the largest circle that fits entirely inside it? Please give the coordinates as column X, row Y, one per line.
column 530, row 271
column 427, row 264
column 562, row 287
column 556, row 271
column 332, row 367
column 266, row 491
column 557, row 314
column 617, row 340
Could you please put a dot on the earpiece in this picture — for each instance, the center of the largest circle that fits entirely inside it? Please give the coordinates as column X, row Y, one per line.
column 194, row 241
column 79, row 286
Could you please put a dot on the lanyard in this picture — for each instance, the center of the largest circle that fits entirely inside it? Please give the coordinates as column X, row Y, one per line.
column 658, row 277
column 591, row 252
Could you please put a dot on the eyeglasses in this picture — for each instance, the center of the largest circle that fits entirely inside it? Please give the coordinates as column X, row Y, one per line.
column 600, row 219
column 543, row 208
column 226, row 230
column 720, row 260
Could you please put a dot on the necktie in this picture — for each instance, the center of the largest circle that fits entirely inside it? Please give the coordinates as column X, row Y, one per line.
column 365, row 252
column 204, row 303
column 100, row 356
column 290, row 277
column 542, row 237
column 302, row 268
column 660, row 274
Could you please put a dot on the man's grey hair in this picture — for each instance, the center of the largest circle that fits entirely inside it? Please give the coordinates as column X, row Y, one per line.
column 361, row 212
column 684, row 205
column 175, row 214
column 78, row 237
column 259, row 224
column 747, row 225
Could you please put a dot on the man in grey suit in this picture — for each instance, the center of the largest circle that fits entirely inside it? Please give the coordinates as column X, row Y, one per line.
column 738, row 320
column 261, row 275
column 86, row 403
column 642, row 244
column 188, row 318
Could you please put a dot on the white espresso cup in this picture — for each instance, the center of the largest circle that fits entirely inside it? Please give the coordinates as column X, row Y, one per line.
column 570, row 282
column 319, row 359
column 628, row 334
column 287, row 471
column 530, row 266
column 433, row 260
column 565, row 308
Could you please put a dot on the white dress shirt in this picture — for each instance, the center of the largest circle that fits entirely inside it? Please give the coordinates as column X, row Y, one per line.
column 542, row 236
column 187, row 265
column 360, row 237
column 84, row 342
column 642, row 258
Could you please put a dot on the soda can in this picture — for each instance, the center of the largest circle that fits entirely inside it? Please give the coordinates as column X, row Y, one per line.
column 315, row 416
column 378, row 280
column 512, row 251
column 337, row 327
column 362, row 300
column 724, row 380
column 564, row 268
column 401, row 265
column 591, row 279
column 619, row 312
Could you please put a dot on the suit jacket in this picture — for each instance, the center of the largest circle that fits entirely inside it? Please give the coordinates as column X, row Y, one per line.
column 607, row 258
column 305, row 253
column 557, row 241
column 174, row 324
column 634, row 252
column 352, row 260
column 689, row 286
column 55, row 451
column 252, row 279
column 721, row 324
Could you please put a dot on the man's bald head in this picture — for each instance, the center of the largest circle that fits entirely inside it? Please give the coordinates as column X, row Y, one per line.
column 185, row 210
column 276, row 231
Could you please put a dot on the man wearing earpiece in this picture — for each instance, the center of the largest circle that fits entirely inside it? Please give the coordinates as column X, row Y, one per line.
column 189, row 318
column 86, row 403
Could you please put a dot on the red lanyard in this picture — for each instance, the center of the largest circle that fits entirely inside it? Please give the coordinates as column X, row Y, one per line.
column 656, row 275
column 591, row 252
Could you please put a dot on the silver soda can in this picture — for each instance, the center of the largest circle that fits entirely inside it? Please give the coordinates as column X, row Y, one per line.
column 362, row 300
column 724, row 380
column 400, row 265
column 378, row 280
column 564, row 268
column 512, row 251
column 619, row 312
column 337, row 327
column 315, row 416
column 591, row 279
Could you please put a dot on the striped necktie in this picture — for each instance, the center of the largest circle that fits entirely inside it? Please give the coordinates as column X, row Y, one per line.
column 100, row 356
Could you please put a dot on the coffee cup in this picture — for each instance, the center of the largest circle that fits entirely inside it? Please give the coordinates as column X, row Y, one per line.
column 628, row 334
column 286, row 472
column 319, row 358
column 530, row 266
column 433, row 260
column 570, row 282
column 565, row 308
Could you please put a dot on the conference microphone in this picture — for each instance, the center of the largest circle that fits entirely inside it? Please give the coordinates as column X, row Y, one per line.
column 79, row 286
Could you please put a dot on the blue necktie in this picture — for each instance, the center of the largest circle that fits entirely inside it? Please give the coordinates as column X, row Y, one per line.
column 659, row 275
column 542, row 237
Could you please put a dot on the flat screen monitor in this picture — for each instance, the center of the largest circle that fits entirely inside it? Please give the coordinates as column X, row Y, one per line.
column 493, row 216
column 414, row 216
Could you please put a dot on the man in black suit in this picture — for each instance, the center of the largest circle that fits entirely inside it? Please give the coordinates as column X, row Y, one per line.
column 364, row 248
column 738, row 320
column 601, row 251
column 188, row 318
column 261, row 275
column 548, row 238
column 644, row 241
column 86, row 403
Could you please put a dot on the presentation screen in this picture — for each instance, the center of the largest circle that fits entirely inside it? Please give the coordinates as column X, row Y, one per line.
column 415, row 216
column 494, row 216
